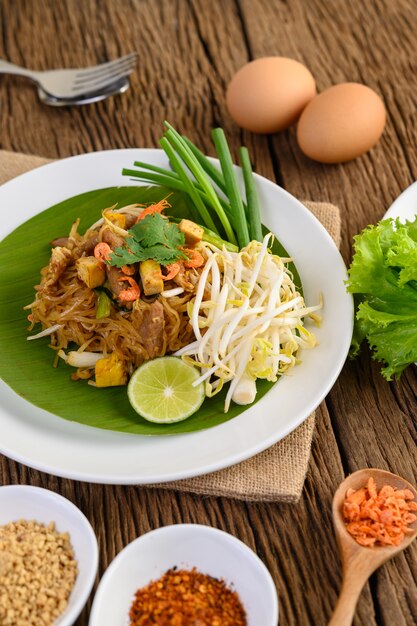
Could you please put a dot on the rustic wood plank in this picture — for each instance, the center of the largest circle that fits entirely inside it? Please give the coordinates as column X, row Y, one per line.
column 188, row 51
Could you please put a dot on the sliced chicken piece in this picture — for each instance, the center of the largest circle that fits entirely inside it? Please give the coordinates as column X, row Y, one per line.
column 60, row 259
column 60, row 242
column 113, row 239
column 89, row 245
column 114, row 274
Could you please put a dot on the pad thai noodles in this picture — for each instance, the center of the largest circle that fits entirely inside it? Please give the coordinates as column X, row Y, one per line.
column 139, row 285
column 128, row 314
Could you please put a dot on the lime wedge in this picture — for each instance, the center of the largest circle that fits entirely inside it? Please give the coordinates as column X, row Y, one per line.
column 161, row 390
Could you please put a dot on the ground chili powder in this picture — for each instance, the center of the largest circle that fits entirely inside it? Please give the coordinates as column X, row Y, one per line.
column 187, row 598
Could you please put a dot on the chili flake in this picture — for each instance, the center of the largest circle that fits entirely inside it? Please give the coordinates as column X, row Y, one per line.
column 187, row 598
column 381, row 517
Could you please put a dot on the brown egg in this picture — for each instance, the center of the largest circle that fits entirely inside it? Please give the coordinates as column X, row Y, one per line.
column 268, row 94
column 341, row 123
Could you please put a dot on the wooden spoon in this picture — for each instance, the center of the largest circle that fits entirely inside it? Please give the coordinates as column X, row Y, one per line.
column 359, row 562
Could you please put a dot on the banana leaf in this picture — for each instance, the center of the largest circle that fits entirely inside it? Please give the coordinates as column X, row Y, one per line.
column 27, row 366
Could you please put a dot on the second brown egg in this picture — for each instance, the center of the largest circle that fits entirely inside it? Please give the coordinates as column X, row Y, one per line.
column 341, row 123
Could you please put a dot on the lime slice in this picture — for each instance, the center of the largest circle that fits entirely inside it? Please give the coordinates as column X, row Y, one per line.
column 161, row 390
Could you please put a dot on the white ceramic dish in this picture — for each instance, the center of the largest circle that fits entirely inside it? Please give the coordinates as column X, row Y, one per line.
column 210, row 550
column 405, row 206
column 42, row 440
column 44, row 506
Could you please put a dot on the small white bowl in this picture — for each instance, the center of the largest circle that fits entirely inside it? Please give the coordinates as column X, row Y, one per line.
column 44, row 506
column 209, row 550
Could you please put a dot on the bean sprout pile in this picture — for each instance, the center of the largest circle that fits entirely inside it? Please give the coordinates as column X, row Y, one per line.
column 248, row 320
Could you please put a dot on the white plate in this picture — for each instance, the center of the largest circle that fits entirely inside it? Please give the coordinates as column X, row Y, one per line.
column 405, row 206
column 209, row 550
column 44, row 506
column 42, row 440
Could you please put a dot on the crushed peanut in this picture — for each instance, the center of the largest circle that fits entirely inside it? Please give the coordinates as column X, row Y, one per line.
column 37, row 573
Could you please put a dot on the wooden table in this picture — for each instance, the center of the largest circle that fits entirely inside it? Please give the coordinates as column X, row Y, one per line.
column 188, row 51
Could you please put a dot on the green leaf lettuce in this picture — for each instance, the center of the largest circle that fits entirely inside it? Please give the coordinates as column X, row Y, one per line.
column 383, row 277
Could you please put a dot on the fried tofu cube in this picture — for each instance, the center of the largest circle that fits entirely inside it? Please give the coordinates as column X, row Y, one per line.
column 151, row 276
column 91, row 271
column 117, row 218
column 193, row 233
column 110, row 371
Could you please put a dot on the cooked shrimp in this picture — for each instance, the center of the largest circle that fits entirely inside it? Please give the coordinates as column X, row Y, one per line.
column 154, row 208
column 195, row 258
column 173, row 269
column 379, row 518
column 102, row 251
column 132, row 294
column 129, row 270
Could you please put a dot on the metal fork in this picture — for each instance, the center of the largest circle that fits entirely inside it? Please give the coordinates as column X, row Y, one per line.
column 120, row 86
column 72, row 83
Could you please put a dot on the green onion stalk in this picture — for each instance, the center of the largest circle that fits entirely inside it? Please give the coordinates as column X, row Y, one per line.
column 216, row 199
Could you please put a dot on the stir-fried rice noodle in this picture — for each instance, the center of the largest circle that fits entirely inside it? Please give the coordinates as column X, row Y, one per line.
column 66, row 306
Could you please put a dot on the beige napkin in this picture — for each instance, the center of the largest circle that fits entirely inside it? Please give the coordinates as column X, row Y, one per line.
column 277, row 474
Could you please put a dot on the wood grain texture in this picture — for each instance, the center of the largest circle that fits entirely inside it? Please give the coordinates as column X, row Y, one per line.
column 188, row 51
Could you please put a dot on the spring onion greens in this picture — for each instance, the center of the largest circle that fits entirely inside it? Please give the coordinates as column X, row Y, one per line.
column 195, row 197
column 192, row 163
column 211, row 237
column 232, row 187
column 103, row 305
column 166, row 178
column 215, row 174
column 216, row 199
column 252, row 209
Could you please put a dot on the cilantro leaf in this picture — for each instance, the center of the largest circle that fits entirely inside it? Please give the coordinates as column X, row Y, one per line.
column 153, row 237
column 383, row 276
column 154, row 229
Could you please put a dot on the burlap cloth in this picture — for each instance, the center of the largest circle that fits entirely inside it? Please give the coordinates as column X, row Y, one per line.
column 277, row 474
